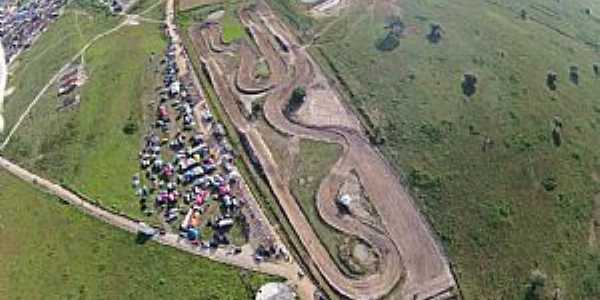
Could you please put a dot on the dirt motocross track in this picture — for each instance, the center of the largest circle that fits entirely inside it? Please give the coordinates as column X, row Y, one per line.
column 409, row 254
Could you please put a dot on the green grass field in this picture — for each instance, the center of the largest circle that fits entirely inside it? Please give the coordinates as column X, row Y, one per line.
column 86, row 147
column 36, row 66
column 50, row 250
column 491, row 210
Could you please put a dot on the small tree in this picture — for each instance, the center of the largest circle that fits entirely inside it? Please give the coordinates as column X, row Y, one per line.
column 536, row 285
column 574, row 75
column 297, row 99
column 469, row 84
column 298, row 95
column 389, row 43
column 551, row 79
column 395, row 29
column 523, row 14
column 435, row 34
column 596, row 68
column 130, row 127
column 256, row 110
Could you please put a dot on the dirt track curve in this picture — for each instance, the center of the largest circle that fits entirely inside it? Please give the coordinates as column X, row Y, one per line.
column 406, row 245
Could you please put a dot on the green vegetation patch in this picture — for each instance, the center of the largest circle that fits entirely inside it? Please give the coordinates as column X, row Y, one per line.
column 51, row 249
column 262, row 69
column 293, row 12
column 313, row 164
column 93, row 147
column 232, row 28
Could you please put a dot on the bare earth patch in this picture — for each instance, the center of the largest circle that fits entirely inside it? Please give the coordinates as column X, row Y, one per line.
column 324, row 108
column 360, row 207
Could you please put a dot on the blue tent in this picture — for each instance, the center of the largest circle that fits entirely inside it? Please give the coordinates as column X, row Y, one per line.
column 192, row 234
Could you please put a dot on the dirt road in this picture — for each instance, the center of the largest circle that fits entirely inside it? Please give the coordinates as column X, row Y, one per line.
column 244, row 260
column 408, row 236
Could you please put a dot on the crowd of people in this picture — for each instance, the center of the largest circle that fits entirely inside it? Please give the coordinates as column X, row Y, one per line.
column 21, row 24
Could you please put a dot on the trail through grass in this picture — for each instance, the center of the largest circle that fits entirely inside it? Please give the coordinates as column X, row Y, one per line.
column 36, row 66
column 85, row 147
column 50, row 249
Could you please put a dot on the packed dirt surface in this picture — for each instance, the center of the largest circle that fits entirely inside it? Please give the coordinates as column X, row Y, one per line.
column 323, row 108
column 409, row 254
column 360, row 207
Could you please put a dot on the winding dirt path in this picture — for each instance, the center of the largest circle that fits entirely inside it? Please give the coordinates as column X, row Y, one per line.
column 245, row 82
column 408, row 235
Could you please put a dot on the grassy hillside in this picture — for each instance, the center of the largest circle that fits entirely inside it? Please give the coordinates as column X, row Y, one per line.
column 85, row 147
column 485, row 169
column 50, row 250
column 36, row 66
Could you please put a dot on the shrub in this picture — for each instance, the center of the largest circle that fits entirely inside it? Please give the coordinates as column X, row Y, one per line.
column 435, row 33
column 551, row 79
column 574, row 75
column 556, row 136
column 433, row 134
column 549, row 183
column 536, row 285
column 389, row 42
column 130, row 127
column 297, row 99
column 469, row 84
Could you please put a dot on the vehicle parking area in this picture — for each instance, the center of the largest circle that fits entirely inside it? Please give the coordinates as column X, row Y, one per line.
column 188, row 180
